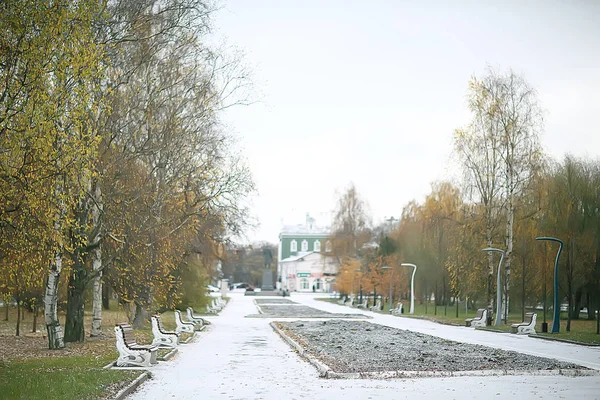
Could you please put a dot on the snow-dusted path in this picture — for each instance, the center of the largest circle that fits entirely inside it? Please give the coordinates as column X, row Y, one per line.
column 242, row 358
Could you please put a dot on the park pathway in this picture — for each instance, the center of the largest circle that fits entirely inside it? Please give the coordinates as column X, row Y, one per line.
column 243, row 358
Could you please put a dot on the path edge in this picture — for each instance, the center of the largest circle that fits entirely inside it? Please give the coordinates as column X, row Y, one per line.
column 144, row 376
column 324, row 370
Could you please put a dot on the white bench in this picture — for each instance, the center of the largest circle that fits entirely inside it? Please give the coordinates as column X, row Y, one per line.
column 480, row 319
column 211, row 310
column 196, row 318
column 182, row 326
column 397, row 310
column 377, row 306
column 198, row 323
column 162, row 337
column 215, row 305
column 525, row 327
column 131, row 353
column 342, row 301
column 350, row 301
column 363, row 304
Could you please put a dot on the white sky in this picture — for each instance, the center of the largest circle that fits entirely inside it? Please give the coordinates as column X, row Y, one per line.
column 371, row 91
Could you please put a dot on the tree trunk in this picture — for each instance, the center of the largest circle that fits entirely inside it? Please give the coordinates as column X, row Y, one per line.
column 105, row 294
column 435, row 301
column 426, row 298
column 578, row 295
column 571, row 251
column 456, row 301
column 509, row 250
column 490, row 256
column 6, row 300
column 523, row 284
column 55, row 332
column 35, row 315
column 97, row 263
column 74, row 325
column 18, row 317
column 141, row 316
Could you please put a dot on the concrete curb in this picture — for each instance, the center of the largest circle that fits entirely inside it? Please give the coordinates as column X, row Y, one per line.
column 260, row 310
column 186, row 341
column 169, row 355
column 449, row 374
column 551, row 339
column 323, row 369
column 132, row 386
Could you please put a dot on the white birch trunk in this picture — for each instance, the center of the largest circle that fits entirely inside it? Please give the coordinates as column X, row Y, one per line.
column 55, row 331
column 97, row 263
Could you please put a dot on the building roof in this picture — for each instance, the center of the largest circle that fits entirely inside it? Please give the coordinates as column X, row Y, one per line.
column 299, row 256
column 303, row 229
column 310, row 228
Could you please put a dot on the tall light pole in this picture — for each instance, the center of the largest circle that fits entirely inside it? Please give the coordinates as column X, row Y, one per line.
column 385, row 267
column 412, row 286
column 498, row 283
column 359, row 282
column 556, row 322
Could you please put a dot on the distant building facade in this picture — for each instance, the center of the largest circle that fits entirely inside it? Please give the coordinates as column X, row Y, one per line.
column 305, row 263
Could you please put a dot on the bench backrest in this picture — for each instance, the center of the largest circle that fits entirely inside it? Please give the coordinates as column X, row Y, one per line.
column 127, row 332
column 159, row 324
column 178, row 316
column 480, row 313
column 528, row 317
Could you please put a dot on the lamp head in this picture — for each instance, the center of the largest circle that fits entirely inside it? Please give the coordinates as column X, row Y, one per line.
column 488, row 249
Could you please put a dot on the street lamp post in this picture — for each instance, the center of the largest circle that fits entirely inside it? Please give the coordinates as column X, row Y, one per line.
column 412, row 286
column 385, row 267
column 359, row 284
column 498, row 283
column 556, row 322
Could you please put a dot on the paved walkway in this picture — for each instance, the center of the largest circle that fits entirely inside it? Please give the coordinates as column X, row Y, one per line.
column 242, row 358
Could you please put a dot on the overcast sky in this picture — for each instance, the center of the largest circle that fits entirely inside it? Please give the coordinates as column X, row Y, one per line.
column 370, row 92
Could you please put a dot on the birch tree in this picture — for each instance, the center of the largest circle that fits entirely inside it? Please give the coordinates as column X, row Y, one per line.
column 351, row 223
column 49, row 64
column 501, row 152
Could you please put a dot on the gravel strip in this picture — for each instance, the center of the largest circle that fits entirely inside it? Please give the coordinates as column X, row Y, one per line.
column 274, row 301
column 299, row 311
column 360, row 347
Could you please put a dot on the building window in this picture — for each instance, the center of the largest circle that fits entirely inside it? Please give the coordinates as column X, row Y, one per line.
column 317, row 284
column 328, row 246
column 304, row 283
column 294, row 246
column 317, row 245
column 304, row 245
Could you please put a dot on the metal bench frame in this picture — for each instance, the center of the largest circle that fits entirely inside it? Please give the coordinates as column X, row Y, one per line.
column 196, row 318
column 363, row 304
column 131, row 353
column 480, row 319
column 182, row 326
column 162, row 337
column 377, row 306
column 350, row 301
column 526, row 327
column 397, row 310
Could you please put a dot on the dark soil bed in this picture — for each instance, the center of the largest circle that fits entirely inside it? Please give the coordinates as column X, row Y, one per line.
column 299, row 311
column 274, row 301
column 357, row 346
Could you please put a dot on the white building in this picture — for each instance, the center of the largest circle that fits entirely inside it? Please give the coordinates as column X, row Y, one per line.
column 304, row 258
